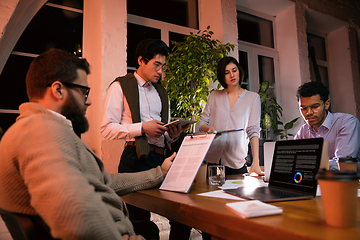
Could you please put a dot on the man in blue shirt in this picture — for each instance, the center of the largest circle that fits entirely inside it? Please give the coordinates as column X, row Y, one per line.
column 342, row 130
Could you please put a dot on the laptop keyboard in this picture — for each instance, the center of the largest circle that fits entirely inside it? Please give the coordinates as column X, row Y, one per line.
column 280, row 193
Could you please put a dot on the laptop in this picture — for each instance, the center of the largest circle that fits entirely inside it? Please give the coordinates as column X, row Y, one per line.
column 292, row 177
column 269, row 148
column 268, row 157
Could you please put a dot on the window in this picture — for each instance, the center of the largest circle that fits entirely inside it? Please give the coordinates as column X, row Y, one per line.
column 255, row 30
column 168, row 20
column 259, row 65
column 178, row 12
column 318, row 58
column 244, row 63
column 175, row 37
column 136, row 31
column 57, row 24
column 257, row 51
column 267, row 73
column 52, row 26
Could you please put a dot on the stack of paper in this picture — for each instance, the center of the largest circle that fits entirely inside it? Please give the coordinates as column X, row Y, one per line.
column 253, row 208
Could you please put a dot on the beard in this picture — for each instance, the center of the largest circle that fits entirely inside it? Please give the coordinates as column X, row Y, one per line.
column 76, row 115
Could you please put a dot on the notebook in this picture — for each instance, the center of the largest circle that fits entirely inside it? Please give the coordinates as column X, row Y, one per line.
column 292, row 177
column 254, row 208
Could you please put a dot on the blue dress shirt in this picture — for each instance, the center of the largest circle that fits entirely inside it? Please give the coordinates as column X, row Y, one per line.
column 342, row 130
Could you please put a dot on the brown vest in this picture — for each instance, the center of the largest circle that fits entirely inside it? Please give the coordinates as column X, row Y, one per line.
column 130, row 89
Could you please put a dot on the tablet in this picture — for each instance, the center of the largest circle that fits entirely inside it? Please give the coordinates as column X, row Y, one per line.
column 182, row 122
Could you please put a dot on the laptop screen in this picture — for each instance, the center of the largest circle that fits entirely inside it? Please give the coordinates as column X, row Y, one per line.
column 295, row 164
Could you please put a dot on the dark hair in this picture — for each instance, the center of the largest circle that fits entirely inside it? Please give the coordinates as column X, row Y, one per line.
column 221, row 70
column 310, row 89
column 50, row 66
column 149, row 48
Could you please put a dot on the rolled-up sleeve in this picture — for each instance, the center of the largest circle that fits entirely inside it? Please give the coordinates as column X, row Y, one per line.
column 253, row 128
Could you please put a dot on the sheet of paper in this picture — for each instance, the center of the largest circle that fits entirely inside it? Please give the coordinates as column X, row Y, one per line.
column 235, row 183
column 248, row 181
column 187, row 163
column 220, row 194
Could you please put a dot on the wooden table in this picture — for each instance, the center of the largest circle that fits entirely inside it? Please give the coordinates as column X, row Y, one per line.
column 300, row 220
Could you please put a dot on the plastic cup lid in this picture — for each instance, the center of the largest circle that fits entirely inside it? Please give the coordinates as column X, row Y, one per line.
column 350, row 160
column 337, row 175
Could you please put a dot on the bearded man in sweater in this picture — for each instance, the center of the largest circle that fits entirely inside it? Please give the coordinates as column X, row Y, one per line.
column 46, row 170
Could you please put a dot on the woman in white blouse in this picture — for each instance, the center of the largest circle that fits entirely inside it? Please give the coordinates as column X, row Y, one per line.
column 232, row 108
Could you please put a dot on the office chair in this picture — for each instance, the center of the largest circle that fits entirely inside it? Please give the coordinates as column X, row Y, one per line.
column 24, row 227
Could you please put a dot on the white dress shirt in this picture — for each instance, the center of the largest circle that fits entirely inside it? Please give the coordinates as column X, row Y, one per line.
column 232, row 148
column 117, row 121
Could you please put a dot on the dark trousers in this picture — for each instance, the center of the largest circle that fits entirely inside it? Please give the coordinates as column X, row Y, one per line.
column 130, row 163
column 147, row 229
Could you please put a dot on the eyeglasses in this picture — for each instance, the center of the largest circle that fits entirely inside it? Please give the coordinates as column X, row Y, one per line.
column 158, row 65
column 73, row 85
column 314, row 107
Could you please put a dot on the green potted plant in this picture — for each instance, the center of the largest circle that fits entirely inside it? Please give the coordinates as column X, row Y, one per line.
column 283, row 133
column 190, row 67
column 271, row 111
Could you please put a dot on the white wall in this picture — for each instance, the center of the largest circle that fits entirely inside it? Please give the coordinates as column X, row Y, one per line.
column 104, row 46
column 288, row 29
column 210, row 14
column 6, row 9
column 344, row 13
column 340, row 71
column 221, row 16
column 229, row 21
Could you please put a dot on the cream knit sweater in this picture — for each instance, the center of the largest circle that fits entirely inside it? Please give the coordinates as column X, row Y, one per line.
column 46, row 170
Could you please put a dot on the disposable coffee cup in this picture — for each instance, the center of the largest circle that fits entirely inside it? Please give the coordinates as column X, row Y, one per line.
column 216, row 174
column 339, row 197
column 348, row 164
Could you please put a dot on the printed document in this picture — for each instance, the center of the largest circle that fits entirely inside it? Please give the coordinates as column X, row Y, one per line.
column 187, row 162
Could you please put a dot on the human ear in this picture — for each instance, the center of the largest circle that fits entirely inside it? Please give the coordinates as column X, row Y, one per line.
column 141, row 60
column 327, row 104
column 57, row 90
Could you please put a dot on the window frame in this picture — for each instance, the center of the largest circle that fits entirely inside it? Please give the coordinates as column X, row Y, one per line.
column 254, row 50
column 322, row 63
column 164, row 27
column 32, row 55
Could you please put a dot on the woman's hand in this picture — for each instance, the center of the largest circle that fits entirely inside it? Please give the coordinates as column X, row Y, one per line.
column 211, row 129
column 255, row 168
column 207, row 128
